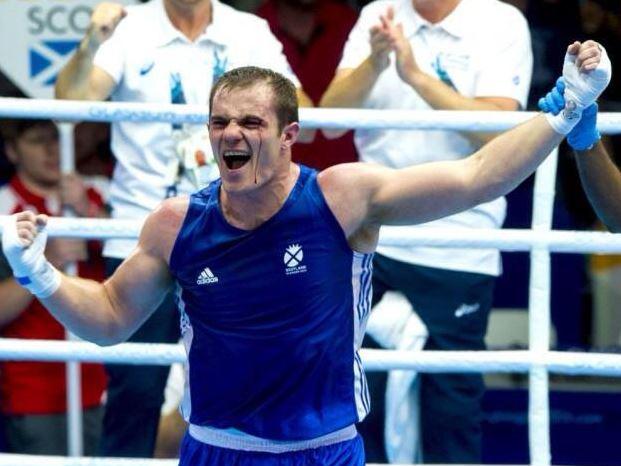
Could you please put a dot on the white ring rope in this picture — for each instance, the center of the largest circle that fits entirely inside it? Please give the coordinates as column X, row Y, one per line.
column 568, row 363
column 505, row 239
column 36, row 460
column 67, row 110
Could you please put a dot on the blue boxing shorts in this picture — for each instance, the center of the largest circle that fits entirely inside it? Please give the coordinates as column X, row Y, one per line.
column 346, row 453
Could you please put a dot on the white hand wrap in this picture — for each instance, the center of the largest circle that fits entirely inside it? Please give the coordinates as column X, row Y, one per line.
column 30, row 267
column 581, row 90
column 565, row 120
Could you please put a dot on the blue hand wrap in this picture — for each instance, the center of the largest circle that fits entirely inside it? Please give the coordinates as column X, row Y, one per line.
column 553, row 102
column 584, row 135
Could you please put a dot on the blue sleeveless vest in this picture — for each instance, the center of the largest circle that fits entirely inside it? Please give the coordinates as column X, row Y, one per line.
column 272, row 318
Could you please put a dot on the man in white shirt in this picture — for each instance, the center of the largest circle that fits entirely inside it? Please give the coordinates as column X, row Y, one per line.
column 418, row 54
column 163, row 51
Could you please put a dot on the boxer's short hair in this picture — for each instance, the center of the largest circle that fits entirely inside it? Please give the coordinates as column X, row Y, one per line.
column 284, row 91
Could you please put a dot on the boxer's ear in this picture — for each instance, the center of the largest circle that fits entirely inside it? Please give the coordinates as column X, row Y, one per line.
column 289, row 135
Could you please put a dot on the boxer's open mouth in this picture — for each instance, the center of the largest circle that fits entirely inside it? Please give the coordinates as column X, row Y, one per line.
column 235, row 159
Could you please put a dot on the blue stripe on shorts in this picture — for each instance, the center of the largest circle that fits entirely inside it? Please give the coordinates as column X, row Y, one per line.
column 347, row 453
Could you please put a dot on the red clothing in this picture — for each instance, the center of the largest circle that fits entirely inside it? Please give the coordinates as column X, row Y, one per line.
column 39, row 387
column 315, row 64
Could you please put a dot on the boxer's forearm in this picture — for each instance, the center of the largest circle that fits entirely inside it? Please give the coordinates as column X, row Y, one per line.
column 86, row 309
column 602, row 183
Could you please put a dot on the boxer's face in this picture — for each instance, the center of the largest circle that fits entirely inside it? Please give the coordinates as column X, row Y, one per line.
column 247, row 142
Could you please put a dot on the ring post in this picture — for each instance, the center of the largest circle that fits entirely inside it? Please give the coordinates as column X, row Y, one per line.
column 539, row 319
column 73, row 376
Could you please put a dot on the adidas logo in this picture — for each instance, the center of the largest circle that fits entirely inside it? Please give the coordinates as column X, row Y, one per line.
column 206, row 277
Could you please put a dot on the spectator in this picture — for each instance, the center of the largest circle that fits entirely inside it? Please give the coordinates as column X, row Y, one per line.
column 433, row 55
column 33, row 394
column 143, row 53
column 313, row 33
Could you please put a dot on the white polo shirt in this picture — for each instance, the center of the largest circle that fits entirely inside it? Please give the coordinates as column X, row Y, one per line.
column 482, row 49
column 142, row 56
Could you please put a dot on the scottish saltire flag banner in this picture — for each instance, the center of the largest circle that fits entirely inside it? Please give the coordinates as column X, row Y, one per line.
column 38, row 38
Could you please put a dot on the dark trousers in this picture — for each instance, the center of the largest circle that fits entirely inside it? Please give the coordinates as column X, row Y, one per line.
column 136, row 393
column 46, row 434
column 455, row 308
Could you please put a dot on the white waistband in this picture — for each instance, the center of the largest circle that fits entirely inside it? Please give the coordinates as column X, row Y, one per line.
column 236, row 440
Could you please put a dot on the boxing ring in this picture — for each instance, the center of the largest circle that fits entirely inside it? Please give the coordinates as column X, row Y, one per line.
column 537, row 361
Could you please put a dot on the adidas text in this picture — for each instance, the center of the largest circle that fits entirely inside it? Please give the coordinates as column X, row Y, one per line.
column 206, row 277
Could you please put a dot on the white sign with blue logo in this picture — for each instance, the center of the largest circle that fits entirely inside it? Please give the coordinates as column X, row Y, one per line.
column 39, row 37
